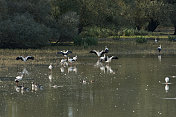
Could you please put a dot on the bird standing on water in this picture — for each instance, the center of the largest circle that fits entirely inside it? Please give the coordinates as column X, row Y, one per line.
column 102, row 58
column 18, row 78
column 159, row 48
column 75, row 58
column 50, row 67
column 167, row 80
column 71, row 60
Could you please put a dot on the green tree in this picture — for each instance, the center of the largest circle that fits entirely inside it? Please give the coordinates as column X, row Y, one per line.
column 173, row 15
column 157, row 12
column 148, row 14
column 3, row 10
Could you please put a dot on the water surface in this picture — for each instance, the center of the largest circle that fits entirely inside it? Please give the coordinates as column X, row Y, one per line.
column 127, row 87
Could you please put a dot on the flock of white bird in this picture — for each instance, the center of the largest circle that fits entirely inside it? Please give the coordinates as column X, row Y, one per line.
column 65, row 62
column 68, row 60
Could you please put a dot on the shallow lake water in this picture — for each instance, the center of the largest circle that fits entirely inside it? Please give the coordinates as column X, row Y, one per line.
column 127, row 87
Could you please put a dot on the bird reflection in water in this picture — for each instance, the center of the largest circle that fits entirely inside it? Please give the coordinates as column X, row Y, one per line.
column 62, row 69
column 72, row 69
column 25, row 72
column 166, row 88
column 70, row 112
column 64, row 62
column 21, row 88
column 36, row 86
column 69, row 69
column 50, row 77
column 159, row 57
column 104, row 68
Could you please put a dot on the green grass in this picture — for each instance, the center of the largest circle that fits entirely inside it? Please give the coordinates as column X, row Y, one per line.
column 145, row 36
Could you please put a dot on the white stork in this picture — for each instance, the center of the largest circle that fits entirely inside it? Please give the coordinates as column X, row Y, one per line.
column 109, row 59
column 100, row 53
column 64, row 53
column 159, row 48
column 25, row 58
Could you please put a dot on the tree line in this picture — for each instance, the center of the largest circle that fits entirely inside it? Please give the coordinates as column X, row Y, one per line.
column 35, row 23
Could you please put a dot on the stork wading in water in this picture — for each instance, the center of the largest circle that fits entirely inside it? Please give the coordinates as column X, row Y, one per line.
column 100, row 53
column 71, row 60
column 64, row 53
column 64, row 62
column 159, row 48
column 50, row 67
column 167, row 80
column 18, row 78
column 106, row 49
column 102, row 58
column 75, row 58
column 25, row 58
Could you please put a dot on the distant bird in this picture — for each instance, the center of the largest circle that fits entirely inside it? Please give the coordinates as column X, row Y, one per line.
column 25, row 58
column 50, row 67
column 71, row 60
column 18, row 78
column 159, row 48
column 56, row 86
column 167, row 80
column 39, row 86
column 106, row 49
column 156, row 41
column 36, row 86
column 64, row 53
column 109, row 59
column 75, row 58
column 63, row 60
column 84, row 81
column 102, row 58
column 100, row 53
column 33, row 86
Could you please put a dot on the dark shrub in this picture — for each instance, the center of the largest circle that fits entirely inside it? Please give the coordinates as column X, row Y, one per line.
column 172, row 38
column 68, row 26
column 88, row 41
column 23, row 32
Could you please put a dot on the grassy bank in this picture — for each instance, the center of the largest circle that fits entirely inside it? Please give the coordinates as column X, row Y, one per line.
column 116, row 47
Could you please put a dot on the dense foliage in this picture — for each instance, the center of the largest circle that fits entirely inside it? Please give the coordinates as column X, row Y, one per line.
column 35, row 23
